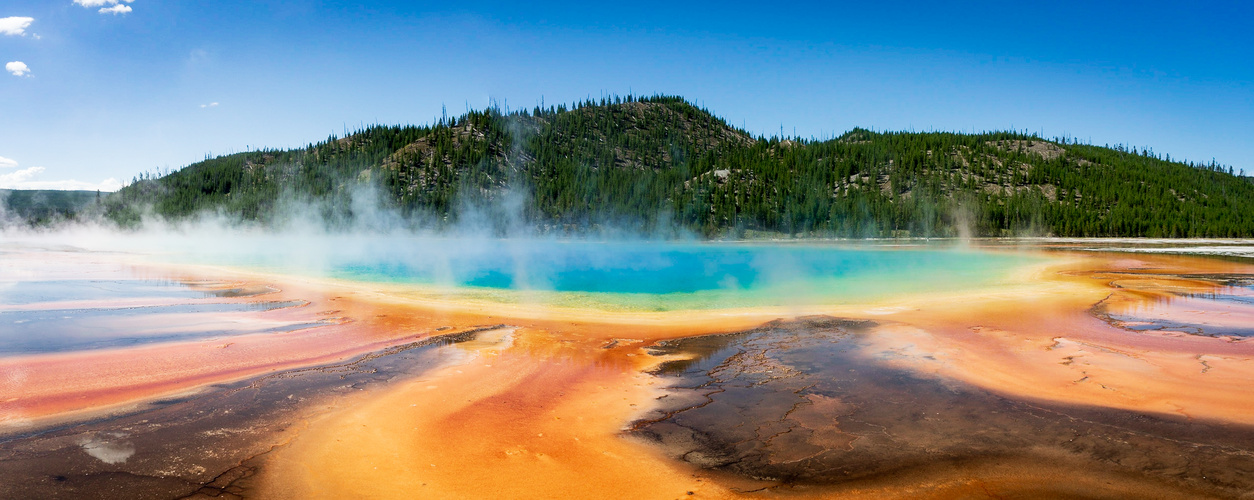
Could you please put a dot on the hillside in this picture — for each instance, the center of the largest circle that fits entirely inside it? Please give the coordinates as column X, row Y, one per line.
column 649, row 164
column 38, row 206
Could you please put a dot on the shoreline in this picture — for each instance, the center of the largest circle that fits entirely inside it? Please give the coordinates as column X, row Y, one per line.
column 1026, row 280
column 1025, row 341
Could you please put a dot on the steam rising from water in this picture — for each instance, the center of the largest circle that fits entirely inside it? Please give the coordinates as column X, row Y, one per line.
column 482, row 257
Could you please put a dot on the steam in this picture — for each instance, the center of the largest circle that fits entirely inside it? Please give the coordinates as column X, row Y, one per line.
column 963, row 220
column 6, row 220
column 488, row 248
column 322, row 238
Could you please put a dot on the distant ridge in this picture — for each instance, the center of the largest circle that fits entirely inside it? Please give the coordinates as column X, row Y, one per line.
column 44, row 206
column 658, row 163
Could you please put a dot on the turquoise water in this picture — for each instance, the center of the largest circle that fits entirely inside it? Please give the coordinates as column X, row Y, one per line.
column 637, row 276
column 674, row 276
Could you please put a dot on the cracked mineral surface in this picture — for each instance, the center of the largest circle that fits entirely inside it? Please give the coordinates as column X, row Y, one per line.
column 203, row 446
column 1091, row 376
column 802, row 403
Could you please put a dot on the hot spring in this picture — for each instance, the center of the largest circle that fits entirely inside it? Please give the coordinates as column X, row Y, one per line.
column 296, row 365
column 647, row 276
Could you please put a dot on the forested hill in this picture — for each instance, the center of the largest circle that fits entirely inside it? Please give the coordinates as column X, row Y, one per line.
column 44, row 206
column 655, row 163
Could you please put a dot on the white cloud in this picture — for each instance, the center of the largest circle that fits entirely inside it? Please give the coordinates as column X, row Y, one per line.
column 7, row 162
column 15, row 26
column 8, row 181
column 107, row 6
column 210, row 105
column 18, row 68
column 98, row 3
column 116, row 9
column 25, row 179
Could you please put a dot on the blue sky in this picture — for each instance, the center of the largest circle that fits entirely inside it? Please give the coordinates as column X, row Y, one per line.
column 110, row 88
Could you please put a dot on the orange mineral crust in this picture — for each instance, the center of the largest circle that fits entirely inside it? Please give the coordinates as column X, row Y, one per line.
column 545, row 422
column 45, row 387
column 546, row 402
column 335, row 321
column 543, row 414
column 1051, row 342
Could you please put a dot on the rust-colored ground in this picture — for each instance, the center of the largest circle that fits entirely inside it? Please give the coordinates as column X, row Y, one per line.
column 545, row 417
column 538, row 408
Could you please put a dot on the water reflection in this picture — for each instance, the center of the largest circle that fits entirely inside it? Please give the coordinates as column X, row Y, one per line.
column 1207, row 305
column 108, row 447
column 27, row 292
column 68, row 315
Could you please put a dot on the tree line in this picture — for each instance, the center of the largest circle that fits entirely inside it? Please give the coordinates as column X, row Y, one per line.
column 660, row 163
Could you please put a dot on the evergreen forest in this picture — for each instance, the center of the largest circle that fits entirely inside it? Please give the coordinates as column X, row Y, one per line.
column 660, row 164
